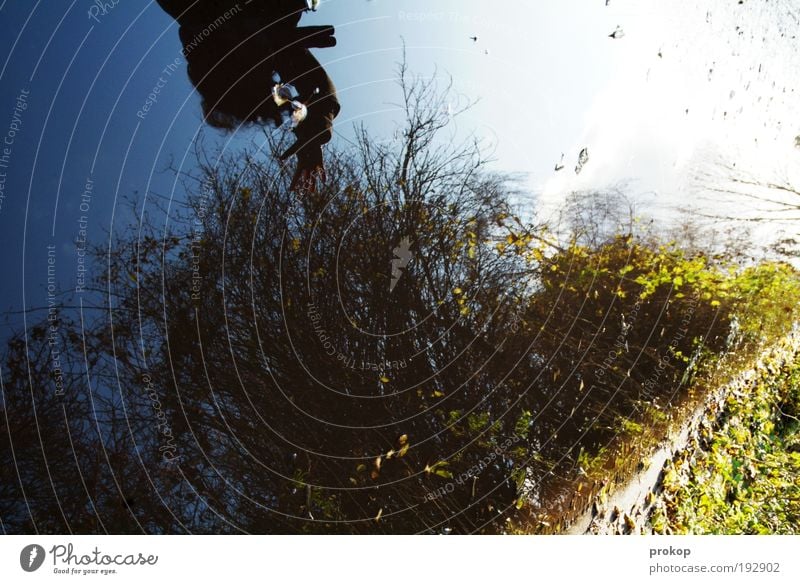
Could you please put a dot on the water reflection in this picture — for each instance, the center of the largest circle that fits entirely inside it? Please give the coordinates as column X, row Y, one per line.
column 396, row 352
column 382, row 345
column 251, row 64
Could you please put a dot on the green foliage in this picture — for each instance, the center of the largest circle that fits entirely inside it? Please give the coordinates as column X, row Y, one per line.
column 523, row 424
column 477, row 422
column 745, row 481
column 645, row 324
column 629, row 426
column 530, row 358
column 766, row 298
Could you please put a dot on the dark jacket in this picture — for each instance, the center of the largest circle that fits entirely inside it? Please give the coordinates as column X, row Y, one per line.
column 285, row 13
column 231, row 59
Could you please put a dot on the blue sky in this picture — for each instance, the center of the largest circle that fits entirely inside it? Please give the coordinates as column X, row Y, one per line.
column 547, row 77
column 87, row 79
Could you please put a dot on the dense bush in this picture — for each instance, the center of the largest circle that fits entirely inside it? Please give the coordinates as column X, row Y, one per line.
column 259, row 365
column 742, row 476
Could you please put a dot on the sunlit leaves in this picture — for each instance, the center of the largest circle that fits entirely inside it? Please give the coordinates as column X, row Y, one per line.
column 744, row 480
column 523, row 424
column 439, row 469
column 376, row 468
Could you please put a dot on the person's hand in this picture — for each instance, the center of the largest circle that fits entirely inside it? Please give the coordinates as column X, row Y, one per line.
column 310, row 167
column 305, row 177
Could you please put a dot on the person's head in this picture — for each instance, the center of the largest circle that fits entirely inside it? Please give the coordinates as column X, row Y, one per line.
column 284, row 13
column 231, row 51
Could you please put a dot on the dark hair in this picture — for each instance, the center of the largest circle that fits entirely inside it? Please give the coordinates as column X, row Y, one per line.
column 231, row 61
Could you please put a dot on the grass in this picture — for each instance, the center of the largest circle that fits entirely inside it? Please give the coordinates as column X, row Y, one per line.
column 742, row 476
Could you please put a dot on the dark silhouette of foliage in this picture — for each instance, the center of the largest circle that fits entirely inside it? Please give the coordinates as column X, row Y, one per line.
column 255, row 368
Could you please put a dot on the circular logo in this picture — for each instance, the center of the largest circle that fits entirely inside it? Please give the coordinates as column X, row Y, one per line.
column 31, row 557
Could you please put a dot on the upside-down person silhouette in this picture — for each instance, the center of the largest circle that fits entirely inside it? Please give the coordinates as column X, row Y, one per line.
column 251, row 64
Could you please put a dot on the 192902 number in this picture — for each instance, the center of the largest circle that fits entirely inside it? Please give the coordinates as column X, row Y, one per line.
column 753, row 567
